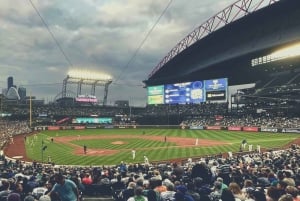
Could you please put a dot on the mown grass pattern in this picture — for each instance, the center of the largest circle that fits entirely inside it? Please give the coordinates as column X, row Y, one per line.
column 62, row 154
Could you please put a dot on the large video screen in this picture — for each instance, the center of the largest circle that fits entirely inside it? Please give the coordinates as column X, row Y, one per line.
column 156, row 94
column 188, row 92
column 216, row 89
column 216, row 84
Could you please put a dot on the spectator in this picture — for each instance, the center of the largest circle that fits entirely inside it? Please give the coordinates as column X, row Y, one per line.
column 19, row 190
column 273, row 193
column 228, row 196
column 129, row 191
column 215, row 195
column 248, row 185
column 138, row 195
column 286, row 197
column 202, row 188
column 64, row 188
column 224, row 186
column 293, row 191
column 39, row 191
column 14, row 197
column 201, row 170
column 281, row 185
column 170, row 193
column 29, row 198
column 119, row 184
column 224, row 172
column 183, row 190
column 191, row 190
column 256, row 195
column 6, row 190
column 87, row 180
column 153, row 195
column 236, row 191
column 288, row 178
column 159, row 187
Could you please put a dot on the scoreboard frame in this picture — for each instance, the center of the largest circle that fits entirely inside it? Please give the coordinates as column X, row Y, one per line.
column 188, row 92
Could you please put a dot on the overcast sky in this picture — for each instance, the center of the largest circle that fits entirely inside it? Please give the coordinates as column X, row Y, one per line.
column 95, row 35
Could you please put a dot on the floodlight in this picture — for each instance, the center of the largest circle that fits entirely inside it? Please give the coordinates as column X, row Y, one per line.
column 86, row 77
column 86, row 74
column 287, row 52
column 291, row 51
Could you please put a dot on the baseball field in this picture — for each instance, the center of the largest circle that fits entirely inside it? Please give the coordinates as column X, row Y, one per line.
column 111, row 146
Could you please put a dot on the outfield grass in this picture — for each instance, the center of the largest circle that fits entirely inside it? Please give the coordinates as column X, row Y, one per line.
column 62, row 154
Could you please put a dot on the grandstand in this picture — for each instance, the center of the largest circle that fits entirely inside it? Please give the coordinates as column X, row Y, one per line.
column 264, row 53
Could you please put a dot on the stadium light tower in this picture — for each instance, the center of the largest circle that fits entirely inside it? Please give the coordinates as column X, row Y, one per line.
column 284, row 53
column 81, row 77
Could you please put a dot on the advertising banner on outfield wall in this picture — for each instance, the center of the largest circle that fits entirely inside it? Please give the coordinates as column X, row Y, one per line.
column 291, row 130
column 53, row 128
column 40, row 128
column 79, row 127
column 66, row 127
column 250, row 129
column 91, row 126
column 274, row 130
column 234, row 128
column 109, row 126
column 196, row 127
column 213, row 127
column 122, row 126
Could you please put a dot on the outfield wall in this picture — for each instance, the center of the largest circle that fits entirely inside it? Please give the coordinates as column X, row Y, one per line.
column 230, row 128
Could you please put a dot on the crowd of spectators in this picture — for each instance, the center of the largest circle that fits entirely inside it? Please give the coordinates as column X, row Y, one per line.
column 173, row 114
column 110, row 111
column 206, row 109
column 8, row 129
column 271, row 176
column 284, row 89
column 57, row 110
column 249, row 120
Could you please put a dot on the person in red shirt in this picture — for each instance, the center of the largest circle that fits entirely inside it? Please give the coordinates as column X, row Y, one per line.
column 87, row 180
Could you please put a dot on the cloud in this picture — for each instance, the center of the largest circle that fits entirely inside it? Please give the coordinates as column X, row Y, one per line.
column 94, row 35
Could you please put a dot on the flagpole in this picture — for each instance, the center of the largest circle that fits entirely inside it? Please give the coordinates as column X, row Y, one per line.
column 30, row 111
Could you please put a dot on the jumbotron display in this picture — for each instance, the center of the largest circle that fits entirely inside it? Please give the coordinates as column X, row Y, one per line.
column 189, row 92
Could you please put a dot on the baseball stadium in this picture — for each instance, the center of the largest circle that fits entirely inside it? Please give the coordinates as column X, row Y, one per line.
column 194, row 114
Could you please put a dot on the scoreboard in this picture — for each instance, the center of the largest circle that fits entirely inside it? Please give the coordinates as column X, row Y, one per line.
column 188, row 92
column 216, row 89
column 156, row 94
